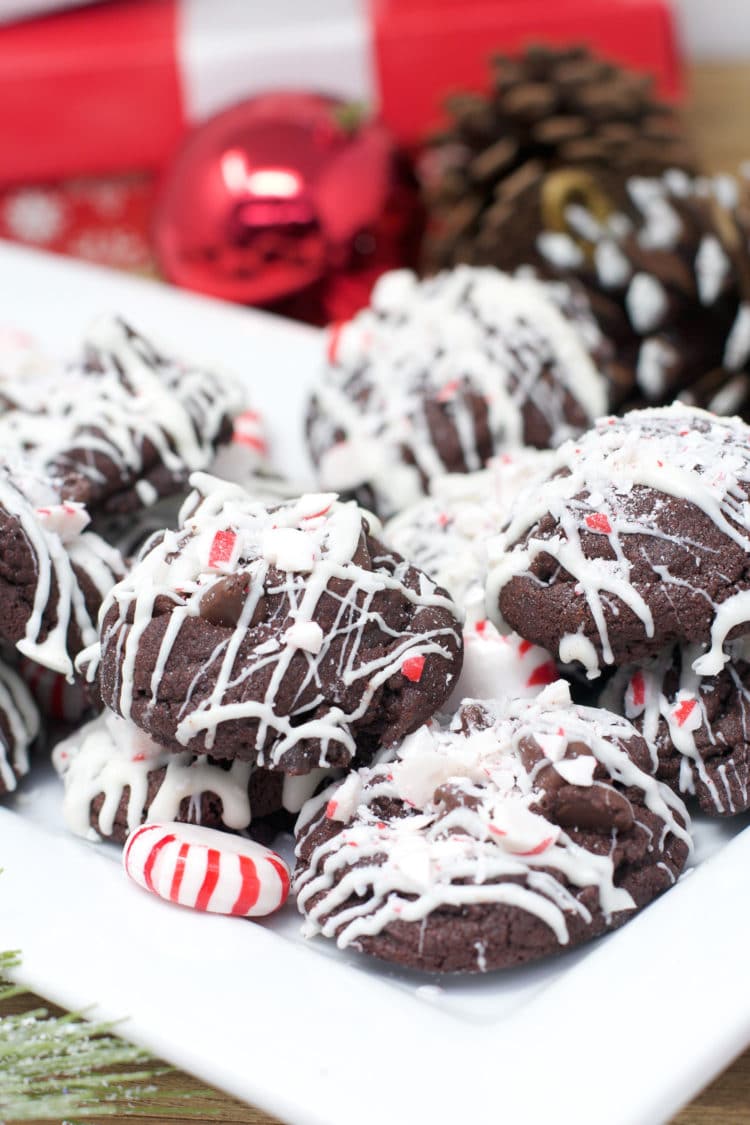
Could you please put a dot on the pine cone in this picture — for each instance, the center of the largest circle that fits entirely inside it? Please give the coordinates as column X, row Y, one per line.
column 669, row 280
column 548, row 109
column 726, row 390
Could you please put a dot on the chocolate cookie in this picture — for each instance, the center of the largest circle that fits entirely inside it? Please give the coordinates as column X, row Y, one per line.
column 519, row 830
column 122, row 427
column 438, row 375
column 53, row 573
column 116, row 778
column 19, row 726
column 287, row 636
column 639, row 539
column 698, row 726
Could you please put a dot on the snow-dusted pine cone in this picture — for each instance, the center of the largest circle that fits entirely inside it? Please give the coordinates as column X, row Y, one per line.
column 674, row 266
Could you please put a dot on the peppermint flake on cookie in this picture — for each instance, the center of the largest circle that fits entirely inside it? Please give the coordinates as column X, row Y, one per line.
column 66, row 520
column 223, row 552
column 412, row 668
column 599, row 522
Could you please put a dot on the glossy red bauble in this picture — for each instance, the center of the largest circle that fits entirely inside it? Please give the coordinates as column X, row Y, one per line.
column 287, row 198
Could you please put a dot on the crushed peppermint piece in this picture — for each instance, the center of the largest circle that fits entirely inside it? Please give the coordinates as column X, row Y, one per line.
column 413, row 667
column 223, row 550
column 597, row 521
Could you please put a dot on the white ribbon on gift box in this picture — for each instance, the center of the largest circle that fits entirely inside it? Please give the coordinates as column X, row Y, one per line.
column 228, row 49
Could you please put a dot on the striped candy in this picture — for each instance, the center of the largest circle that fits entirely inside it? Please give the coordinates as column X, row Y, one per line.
column 206, row 869
column 56, row 698
column 248, row 431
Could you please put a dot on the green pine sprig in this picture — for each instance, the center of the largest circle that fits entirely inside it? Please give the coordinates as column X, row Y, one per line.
column 55, row 1067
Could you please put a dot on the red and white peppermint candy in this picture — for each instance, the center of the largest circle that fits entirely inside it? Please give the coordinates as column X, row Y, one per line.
column 56, row 698
column 66, row 520
column 635, row 694
column 206, row 870
column 248, row 431
column 501, row 666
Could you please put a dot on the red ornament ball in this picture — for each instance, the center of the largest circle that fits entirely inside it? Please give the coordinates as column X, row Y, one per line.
column 287, row 198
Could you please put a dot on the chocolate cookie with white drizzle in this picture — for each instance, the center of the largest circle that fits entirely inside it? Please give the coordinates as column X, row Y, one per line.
column 117, row 778
column 124, row 425
column 286, row 636
column 698, row 727
column 53, row 573
column 438, row 375
column 516, row 831
column 639, row 539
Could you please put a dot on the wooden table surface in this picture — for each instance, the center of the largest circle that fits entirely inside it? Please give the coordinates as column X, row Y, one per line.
column 717, row 115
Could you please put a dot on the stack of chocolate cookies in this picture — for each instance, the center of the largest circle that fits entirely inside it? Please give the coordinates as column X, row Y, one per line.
column 115, row 431
column 634, row 555
column 459, row 848
column 252, row 651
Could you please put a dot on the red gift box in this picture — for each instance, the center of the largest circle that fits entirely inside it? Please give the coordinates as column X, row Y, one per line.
column 114, row 87
column 446, row 44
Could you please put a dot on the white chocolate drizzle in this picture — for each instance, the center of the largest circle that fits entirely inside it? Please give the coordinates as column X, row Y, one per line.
column 110, row 756
column 21, row 718
column 53, row 534
column 639, row 692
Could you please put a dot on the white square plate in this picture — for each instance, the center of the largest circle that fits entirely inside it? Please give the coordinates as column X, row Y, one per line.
column 625, row 1030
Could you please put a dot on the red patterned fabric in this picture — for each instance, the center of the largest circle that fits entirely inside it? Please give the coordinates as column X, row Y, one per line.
column 105, row 221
